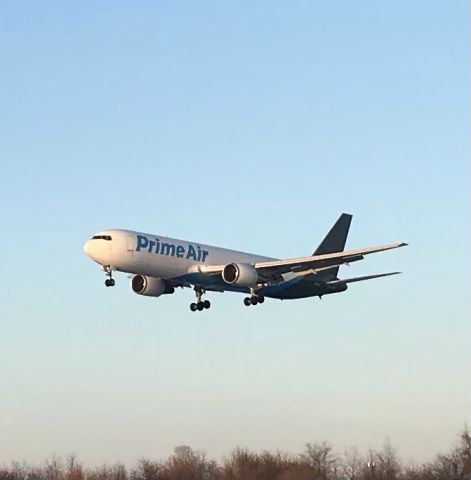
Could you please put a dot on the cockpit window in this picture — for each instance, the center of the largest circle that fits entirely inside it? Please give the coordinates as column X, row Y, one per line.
column 101, row 237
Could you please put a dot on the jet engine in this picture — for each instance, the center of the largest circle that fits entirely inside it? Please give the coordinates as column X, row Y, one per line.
column 240, row 274
column 150, row 286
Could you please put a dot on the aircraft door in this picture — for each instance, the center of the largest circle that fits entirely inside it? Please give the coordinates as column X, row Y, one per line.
column 130, row 245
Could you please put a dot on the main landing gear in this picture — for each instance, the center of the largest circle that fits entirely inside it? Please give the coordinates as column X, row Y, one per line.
column 253, row 299
column 109, row 282
column 200, row 304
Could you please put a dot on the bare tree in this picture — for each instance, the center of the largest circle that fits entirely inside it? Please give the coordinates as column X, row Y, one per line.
column 20, row 471
column 54, row 468
column 388, row 464
column 188, row 464
column 147, row 470
column 118, row 472
column 242, row 464
column 99, row 473
column 415, row 472
column 296, row 470
column 321, row 459
column 74, row 469
column 271, row 465
column 6, row 474
column 383, row 464
column 462, row 455
column 455, row 465
column 351, row 464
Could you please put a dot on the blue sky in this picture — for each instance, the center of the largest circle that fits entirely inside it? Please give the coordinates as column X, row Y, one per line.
column 249, row 125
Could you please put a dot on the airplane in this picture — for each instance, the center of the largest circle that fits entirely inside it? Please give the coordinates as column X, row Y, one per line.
column 160, row 264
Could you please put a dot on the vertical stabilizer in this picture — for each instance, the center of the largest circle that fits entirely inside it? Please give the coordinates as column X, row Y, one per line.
column 335, row 240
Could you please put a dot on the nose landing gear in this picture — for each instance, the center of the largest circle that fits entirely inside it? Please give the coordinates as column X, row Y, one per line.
column 109, row 282
column 200, row 304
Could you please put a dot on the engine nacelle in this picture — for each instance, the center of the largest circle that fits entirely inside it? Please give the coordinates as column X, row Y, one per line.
column 150, row 286
column 240, row 274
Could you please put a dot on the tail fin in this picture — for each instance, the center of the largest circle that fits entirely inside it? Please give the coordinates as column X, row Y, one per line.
column 335, row 240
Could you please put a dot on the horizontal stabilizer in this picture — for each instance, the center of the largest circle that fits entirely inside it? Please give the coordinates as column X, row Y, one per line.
column 360, row 279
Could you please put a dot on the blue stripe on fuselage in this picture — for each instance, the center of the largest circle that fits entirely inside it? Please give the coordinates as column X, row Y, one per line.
column 209, row 281
column 296, row 287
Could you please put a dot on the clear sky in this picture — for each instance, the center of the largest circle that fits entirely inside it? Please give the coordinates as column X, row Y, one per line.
column 249, row 125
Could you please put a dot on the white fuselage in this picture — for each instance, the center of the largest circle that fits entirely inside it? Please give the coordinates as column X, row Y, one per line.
column 157, row 256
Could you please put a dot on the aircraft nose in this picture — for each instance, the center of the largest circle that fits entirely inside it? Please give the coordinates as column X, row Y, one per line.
column 87, row 248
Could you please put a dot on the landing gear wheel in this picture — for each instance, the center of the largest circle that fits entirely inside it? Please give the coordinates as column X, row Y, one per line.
column 109, row 282
column 206, row 304
column 193, row 307
column 200, row 306
column 253, row 300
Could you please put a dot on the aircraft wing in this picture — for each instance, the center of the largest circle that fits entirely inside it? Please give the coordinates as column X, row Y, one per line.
column 273, row 269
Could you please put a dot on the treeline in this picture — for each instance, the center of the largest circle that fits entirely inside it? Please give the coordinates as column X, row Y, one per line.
column 318, row 461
